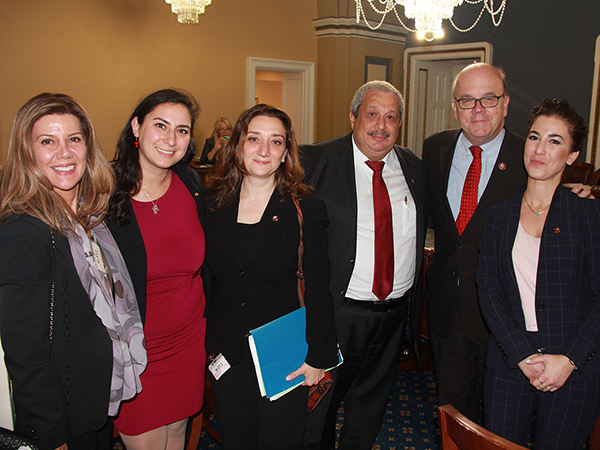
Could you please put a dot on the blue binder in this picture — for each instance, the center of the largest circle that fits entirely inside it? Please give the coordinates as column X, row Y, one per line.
column 278, row 349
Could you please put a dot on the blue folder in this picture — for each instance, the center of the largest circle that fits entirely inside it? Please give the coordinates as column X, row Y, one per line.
column 278, row 349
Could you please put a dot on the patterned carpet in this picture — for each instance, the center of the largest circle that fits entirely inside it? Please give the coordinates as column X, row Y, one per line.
column 410, row 422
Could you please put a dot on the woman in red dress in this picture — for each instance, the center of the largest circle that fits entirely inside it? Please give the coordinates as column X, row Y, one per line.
column 155, row 216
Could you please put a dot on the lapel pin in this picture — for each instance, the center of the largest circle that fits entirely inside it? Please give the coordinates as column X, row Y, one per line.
column 502, row 166
column 275, row 218
column 556, row 230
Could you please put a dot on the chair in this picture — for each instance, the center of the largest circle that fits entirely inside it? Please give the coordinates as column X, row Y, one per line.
column 594, row 179
column 459, row 433
column 578, row 172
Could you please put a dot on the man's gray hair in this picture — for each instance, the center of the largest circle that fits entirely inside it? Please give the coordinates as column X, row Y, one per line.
column 376, row 85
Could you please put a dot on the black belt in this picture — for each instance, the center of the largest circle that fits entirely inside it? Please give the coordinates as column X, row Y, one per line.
column 387, row 305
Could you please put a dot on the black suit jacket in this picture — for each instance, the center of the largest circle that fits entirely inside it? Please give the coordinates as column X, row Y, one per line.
column 60, row 388
column 131, row 244
column 451, row 274
column 567, row 288
column 209, row 144
column 251, row 292
column 330, row 169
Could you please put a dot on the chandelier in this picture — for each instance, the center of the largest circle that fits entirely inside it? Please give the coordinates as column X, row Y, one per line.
column 428, row 14
column 187, row 10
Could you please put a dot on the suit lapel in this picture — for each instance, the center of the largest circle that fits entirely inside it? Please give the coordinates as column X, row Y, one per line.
column 226, row 227
column 275, row 215
column 446, row 154
column 344, row 165
column 504, row 167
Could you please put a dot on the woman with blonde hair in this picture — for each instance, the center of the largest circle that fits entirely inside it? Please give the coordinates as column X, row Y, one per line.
column 217, row 140
column 69, row 320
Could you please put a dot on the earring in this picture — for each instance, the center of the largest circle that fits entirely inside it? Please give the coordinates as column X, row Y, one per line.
column 137, row 142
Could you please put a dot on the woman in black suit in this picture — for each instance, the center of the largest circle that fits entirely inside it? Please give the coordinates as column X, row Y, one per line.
column 539, row 290
column 252, row 238
column 69, row 322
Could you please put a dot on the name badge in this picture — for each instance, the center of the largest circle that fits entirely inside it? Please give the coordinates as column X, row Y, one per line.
column 219, row 366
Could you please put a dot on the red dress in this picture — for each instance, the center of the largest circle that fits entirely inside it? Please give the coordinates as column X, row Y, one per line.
column 173, row 383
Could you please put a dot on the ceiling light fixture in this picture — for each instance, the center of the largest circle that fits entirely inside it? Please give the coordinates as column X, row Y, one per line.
column 428, row 14
column 187, row 10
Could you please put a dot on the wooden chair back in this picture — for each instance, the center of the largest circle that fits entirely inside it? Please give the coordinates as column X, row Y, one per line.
column 459, row 433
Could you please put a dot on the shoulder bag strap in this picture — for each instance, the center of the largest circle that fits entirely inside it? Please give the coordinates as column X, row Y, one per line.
column 300, row 273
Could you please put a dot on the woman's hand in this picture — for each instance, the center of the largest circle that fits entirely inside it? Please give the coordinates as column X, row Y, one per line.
column 312, row 375
column 557, row 370
column 220, row 143
column 532, row 370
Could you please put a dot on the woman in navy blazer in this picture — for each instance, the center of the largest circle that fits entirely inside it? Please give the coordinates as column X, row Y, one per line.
column 252, row 239
column 539, row 285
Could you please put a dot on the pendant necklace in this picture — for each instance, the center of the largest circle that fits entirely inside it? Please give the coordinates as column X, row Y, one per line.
column 531, row 209
column 155, row 208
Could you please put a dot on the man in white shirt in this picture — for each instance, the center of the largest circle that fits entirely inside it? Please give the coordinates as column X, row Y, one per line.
column 371, row 309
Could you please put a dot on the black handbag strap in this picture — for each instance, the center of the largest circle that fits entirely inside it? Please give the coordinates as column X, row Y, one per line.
column 300, row 272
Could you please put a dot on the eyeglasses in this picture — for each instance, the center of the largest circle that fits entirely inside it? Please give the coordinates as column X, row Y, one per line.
column 225, row 129
column 489, row 101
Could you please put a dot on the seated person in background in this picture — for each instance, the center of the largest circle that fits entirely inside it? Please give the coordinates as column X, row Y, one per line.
column 216, row 141
column 539, row 291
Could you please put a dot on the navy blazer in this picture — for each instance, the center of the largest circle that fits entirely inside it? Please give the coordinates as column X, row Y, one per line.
column 251, row 292
column 567, row 287
column 451, row 272
column 131, row 244
column 330, row 170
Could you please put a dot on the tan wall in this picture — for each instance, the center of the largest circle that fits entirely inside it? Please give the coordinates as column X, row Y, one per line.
column 341, row 71
column 109, row 53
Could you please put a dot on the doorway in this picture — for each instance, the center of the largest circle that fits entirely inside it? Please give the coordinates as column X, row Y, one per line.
column 289, row 85
column 428, row 88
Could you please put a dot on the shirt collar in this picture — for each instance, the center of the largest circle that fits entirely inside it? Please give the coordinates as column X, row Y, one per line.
column 489, row 149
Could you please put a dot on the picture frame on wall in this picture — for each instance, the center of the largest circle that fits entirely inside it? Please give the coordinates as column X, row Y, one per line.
column 377, row 68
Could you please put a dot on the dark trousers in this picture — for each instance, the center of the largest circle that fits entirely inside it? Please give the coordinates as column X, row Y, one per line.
column 458, row 365
column 563, row 419
column 371, row 343
column 95, row 440
column 249, row 421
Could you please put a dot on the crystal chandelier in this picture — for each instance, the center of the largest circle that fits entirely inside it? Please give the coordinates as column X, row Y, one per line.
column 187, row 10
column 428, row 14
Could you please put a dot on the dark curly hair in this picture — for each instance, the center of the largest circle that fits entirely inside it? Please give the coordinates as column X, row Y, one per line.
column 230, row 170
column 126, row 163
column 562, row 109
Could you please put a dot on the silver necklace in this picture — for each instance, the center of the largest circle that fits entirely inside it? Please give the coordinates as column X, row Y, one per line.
column 155, row 208
column 531, row 209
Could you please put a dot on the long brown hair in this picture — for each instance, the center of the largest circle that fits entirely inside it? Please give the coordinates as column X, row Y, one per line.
column 230, row 170
column 25, row 189
column 126, row 162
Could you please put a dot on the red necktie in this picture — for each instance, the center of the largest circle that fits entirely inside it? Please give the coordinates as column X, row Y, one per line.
column 383, row 278
column 468, row 200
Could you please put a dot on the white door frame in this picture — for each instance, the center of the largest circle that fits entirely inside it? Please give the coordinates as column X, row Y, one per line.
column 480, row 51
column 593, row 146
column 307, row 70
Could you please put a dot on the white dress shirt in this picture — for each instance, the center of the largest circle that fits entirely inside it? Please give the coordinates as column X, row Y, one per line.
column 404, row 223
column 461, row 161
